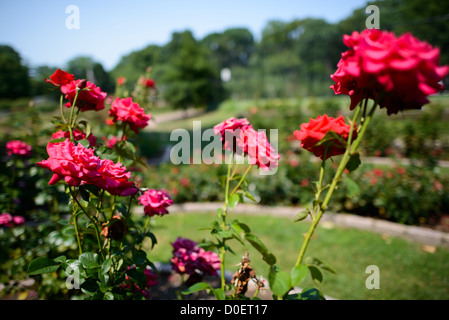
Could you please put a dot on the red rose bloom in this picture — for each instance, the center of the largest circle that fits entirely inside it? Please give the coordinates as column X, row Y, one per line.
column 121, row 81
column 18, row 148
column 126, row 110
column 313, row 132
column 402, row 71
column 60, row 78
column 155, row 202
column 148, row 83
column 89, row 97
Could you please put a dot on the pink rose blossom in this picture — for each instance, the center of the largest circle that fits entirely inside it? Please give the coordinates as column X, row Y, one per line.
column 77, row 165
column 90, row 97
column 6, row 220
column 188, row 258
column 18, row 220
column 155, row 202
column 10, row 221
column 239, row 136
column 127, row 111
column 402, row 71
column 19, row 148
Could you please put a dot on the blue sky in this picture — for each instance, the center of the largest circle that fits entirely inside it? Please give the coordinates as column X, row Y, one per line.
column 111, row 29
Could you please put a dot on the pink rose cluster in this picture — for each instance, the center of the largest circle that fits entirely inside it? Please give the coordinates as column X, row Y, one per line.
column 127, row 111
column 77, row 165
column 248, row 141
column 18, row 148
column 10, row 221
column 189, row 258
column 155, row 202
column 400, row 72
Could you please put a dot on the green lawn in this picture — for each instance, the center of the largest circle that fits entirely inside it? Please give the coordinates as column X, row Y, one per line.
column 406, row 271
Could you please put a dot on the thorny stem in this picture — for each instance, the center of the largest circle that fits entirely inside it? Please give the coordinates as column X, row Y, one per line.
column 223, row 222
column 60, row 106
column 94, row 222
column 350, row 150
column 241, row 179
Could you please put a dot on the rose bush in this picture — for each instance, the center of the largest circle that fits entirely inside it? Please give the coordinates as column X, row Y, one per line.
column 110, row 261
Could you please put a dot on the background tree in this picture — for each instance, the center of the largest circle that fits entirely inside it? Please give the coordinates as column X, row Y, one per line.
column 14, row 79
column 190, row 78
column 86, row 68
column 133, row 65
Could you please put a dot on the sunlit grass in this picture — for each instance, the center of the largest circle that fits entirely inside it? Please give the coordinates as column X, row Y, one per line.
column 406, row 271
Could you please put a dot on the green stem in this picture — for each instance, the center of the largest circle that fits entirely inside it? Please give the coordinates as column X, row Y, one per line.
column 94, row 222
column 350, row 149
column 76, row 222
column 61, row 108
column 319, row 189
column 78, row 235
column 241, row 180
column 223, row 223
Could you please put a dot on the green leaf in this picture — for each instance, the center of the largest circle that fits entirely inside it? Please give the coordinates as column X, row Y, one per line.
column 312, row 294
column 298, row 274
column 219, row 294
column 106, row 266
column 280, row 281
column 84, row 194
column 330, row 137
column 220, row 212
column 91, row 188
column 139, row 257
column 89, row 286
column 60, row 259
column 267, row 256
column 240, row 229
column 58, row 140
column 89, row 260
column 197, row 287
column 131, row 148
column 85, row 143
column 108, row 296
column 234, row 200
column 316, row 274
column 138, row 276
column 352, row 187
column 225, row 234
column 250, row 196
column 321, row 264
column 42, row 265
column 301, row 215
column 354, row 162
